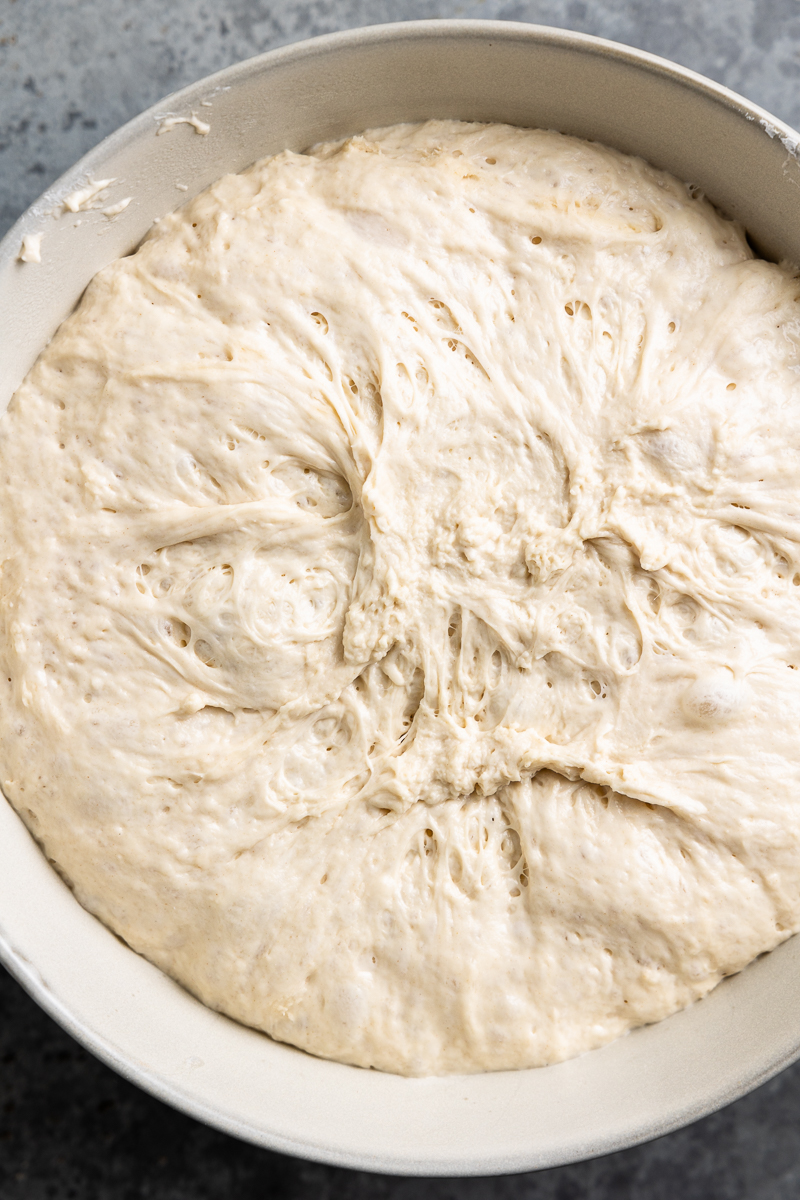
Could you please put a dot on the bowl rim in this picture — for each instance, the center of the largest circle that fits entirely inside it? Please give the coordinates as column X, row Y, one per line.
column 421, row 29
column 18, row 965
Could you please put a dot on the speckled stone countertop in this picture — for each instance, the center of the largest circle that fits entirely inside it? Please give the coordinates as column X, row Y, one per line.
column 70, row 1129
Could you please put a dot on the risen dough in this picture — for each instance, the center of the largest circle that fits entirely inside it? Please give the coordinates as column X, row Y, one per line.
column 399, row 605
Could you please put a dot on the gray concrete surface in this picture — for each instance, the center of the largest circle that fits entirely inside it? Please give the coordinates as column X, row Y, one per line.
column 71, row 71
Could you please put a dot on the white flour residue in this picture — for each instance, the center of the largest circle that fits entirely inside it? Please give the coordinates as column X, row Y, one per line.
column 206, row 103
column 169, row 123
column 82, row 199
column 115, row 209
column 789, row 143
column 31, row 248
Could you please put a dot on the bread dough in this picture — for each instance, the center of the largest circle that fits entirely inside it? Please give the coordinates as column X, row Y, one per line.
column 400, row 607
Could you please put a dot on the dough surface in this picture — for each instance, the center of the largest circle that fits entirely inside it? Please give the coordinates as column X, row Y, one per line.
column 400, row 609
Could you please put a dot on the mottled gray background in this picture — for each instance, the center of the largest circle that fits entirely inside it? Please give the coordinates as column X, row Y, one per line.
column 71, row 71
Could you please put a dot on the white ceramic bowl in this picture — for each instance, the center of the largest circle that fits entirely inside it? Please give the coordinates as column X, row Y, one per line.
column 114, row 1002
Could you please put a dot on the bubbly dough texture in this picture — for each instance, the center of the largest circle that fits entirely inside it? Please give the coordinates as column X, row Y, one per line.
column 400, row 606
